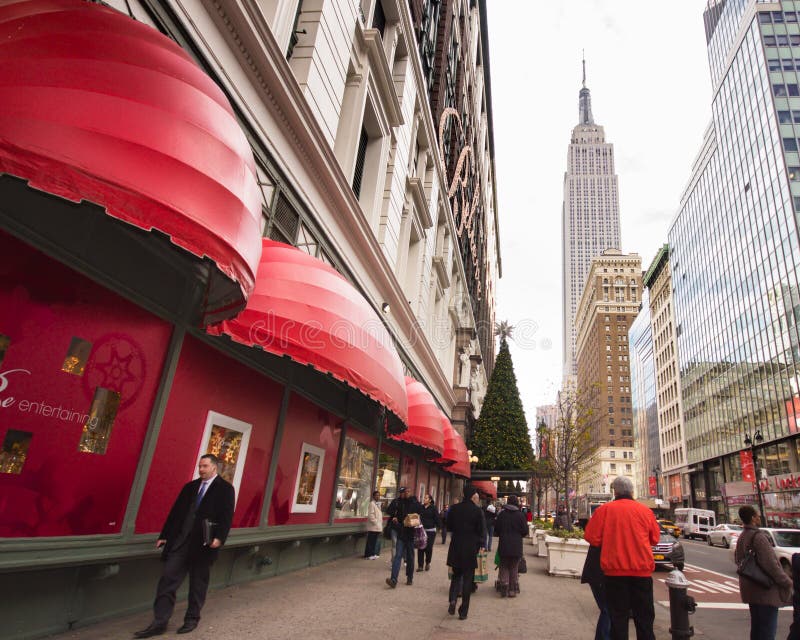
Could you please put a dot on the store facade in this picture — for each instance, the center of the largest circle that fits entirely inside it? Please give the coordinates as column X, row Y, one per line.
column 139, row 329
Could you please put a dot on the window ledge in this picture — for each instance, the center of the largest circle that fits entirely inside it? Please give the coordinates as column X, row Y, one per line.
column 370, row 40
column 417, row 191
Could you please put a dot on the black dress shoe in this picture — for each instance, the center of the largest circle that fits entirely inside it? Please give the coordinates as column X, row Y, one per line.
column 152, row 630
column 452, row 609
column 188, row 627
column 409, row 581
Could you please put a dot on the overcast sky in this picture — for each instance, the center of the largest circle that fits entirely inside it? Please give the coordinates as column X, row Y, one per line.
column 647, row 70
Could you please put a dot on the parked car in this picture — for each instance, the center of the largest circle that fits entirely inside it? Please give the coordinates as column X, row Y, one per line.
column 672, row 528
column 724, row 534
column 785, row 542
column 669, row 551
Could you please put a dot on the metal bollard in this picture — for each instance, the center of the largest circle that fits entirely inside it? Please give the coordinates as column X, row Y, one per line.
column 680, row 606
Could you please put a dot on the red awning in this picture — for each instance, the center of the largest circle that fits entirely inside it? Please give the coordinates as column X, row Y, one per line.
column 97, row 106
column 424, row 419
column 486, row 487
column 450, row 453
column 461, row 466
column 304, row 309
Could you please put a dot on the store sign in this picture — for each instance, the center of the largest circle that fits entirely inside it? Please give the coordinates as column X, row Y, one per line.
column 465, row 173
column 782, row 482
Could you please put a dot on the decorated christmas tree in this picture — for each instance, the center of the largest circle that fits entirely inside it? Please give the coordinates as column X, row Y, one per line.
column 500, row 438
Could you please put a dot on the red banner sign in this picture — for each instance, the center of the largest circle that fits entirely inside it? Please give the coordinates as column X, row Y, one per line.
column 651, row 481
column 746, row 462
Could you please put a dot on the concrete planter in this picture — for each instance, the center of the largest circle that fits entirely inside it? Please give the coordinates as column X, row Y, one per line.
column 565, row 557
column 541, row 535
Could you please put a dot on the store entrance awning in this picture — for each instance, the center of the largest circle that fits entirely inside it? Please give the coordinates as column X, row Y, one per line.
column 461, row 466
column 304, row 309
column 97, row 107
column 424, row 419
column 450, row 449
column 486, row 487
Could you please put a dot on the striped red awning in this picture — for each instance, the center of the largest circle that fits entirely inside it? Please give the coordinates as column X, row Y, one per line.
column 450, row 453
column 486, row 487
column 461, row 466
column 305, row 309
column 96, row 106
column 424, row 419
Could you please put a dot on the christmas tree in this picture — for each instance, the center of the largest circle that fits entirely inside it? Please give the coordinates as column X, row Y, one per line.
column 500, row 438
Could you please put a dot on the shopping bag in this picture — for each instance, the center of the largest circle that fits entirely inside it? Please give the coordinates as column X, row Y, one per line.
column 482, row 570
column 420, row 537
column 523, row 565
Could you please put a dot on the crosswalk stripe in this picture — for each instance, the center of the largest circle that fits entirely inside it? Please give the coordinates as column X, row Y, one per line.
column 722, row 588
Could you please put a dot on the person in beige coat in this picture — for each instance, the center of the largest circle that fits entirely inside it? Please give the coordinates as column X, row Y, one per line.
column 764, row 603
column 374, row 526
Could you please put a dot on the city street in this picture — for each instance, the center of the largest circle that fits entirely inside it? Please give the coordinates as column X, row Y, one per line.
column 715, row 587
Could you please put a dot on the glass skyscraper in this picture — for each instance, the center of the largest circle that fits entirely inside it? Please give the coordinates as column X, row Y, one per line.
column 735, row 262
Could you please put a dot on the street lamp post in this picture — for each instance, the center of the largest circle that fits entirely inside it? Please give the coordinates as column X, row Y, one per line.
column 749, row 443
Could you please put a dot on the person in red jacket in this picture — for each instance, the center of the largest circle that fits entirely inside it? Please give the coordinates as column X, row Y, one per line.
column 626, row 532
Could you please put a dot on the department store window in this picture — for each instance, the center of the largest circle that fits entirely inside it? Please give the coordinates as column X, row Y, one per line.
column 354, row 483
column 387, row 477
column 790, row 144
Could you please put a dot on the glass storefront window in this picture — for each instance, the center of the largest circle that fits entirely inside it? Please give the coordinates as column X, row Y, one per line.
column 388, row 473
column 354, row 482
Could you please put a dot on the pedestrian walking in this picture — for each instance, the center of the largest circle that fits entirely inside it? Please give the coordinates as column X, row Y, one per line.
column 374, row 526
column 511, row 528
column 430, row 520
column 443, row 522
column 466, row 524
column 490, row 514
column 399, row 511
column 763, row 601
column 195, row 529
column 596, row 579
column 626, row 532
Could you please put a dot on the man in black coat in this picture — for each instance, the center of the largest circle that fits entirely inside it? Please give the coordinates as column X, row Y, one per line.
column 466, row 524
column 195, row 529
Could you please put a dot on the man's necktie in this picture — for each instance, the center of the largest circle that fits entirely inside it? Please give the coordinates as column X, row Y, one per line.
column 201, row 493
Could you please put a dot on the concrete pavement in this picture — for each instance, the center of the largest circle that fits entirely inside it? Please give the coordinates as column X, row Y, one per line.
column 348, row 598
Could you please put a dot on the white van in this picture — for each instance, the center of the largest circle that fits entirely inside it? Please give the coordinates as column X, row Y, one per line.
column 695, row 522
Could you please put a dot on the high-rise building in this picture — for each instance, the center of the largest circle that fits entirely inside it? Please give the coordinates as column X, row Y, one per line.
column 608, row 307
column 735, row 263
column 644, row 404
column 589, row 215
column 671, row 435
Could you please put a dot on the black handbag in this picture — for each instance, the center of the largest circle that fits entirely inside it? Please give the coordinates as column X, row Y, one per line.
column 750, row 569
column 523, row 565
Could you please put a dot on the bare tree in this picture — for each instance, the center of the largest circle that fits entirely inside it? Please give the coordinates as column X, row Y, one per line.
column 574, row 440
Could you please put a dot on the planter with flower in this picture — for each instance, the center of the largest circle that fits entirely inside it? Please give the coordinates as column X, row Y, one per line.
column 566, row 552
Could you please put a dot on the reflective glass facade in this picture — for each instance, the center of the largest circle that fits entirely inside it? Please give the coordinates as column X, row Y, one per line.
column 643, row 396
column 735, row 253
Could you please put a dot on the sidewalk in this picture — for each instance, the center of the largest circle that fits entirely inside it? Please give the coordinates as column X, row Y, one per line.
column 348, row 598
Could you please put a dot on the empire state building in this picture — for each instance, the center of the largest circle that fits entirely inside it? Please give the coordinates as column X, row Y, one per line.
column 589, row 213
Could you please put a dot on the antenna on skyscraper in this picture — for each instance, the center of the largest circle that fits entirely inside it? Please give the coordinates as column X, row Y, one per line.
column 583, row 57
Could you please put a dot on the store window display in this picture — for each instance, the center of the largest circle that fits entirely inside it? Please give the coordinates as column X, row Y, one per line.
column 354, row 482
column 388, row 472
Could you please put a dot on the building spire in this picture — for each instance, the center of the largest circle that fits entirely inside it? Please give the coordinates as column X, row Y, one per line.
column 583, row 56
column 584, row 100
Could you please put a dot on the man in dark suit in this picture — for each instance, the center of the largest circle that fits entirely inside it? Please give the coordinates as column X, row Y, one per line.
column 465, row 522
column 195, row 529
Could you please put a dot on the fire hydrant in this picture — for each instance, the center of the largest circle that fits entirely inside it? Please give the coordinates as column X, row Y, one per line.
column 680, row 606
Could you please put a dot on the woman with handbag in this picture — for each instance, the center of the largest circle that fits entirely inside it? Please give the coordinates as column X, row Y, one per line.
column 510, row 528
column 755, row 574
column 430, row 521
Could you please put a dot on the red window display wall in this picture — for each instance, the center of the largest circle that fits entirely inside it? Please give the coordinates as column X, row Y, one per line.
column 408, row 474
column 306, row 424
column 79, row 370
column 207, row 380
